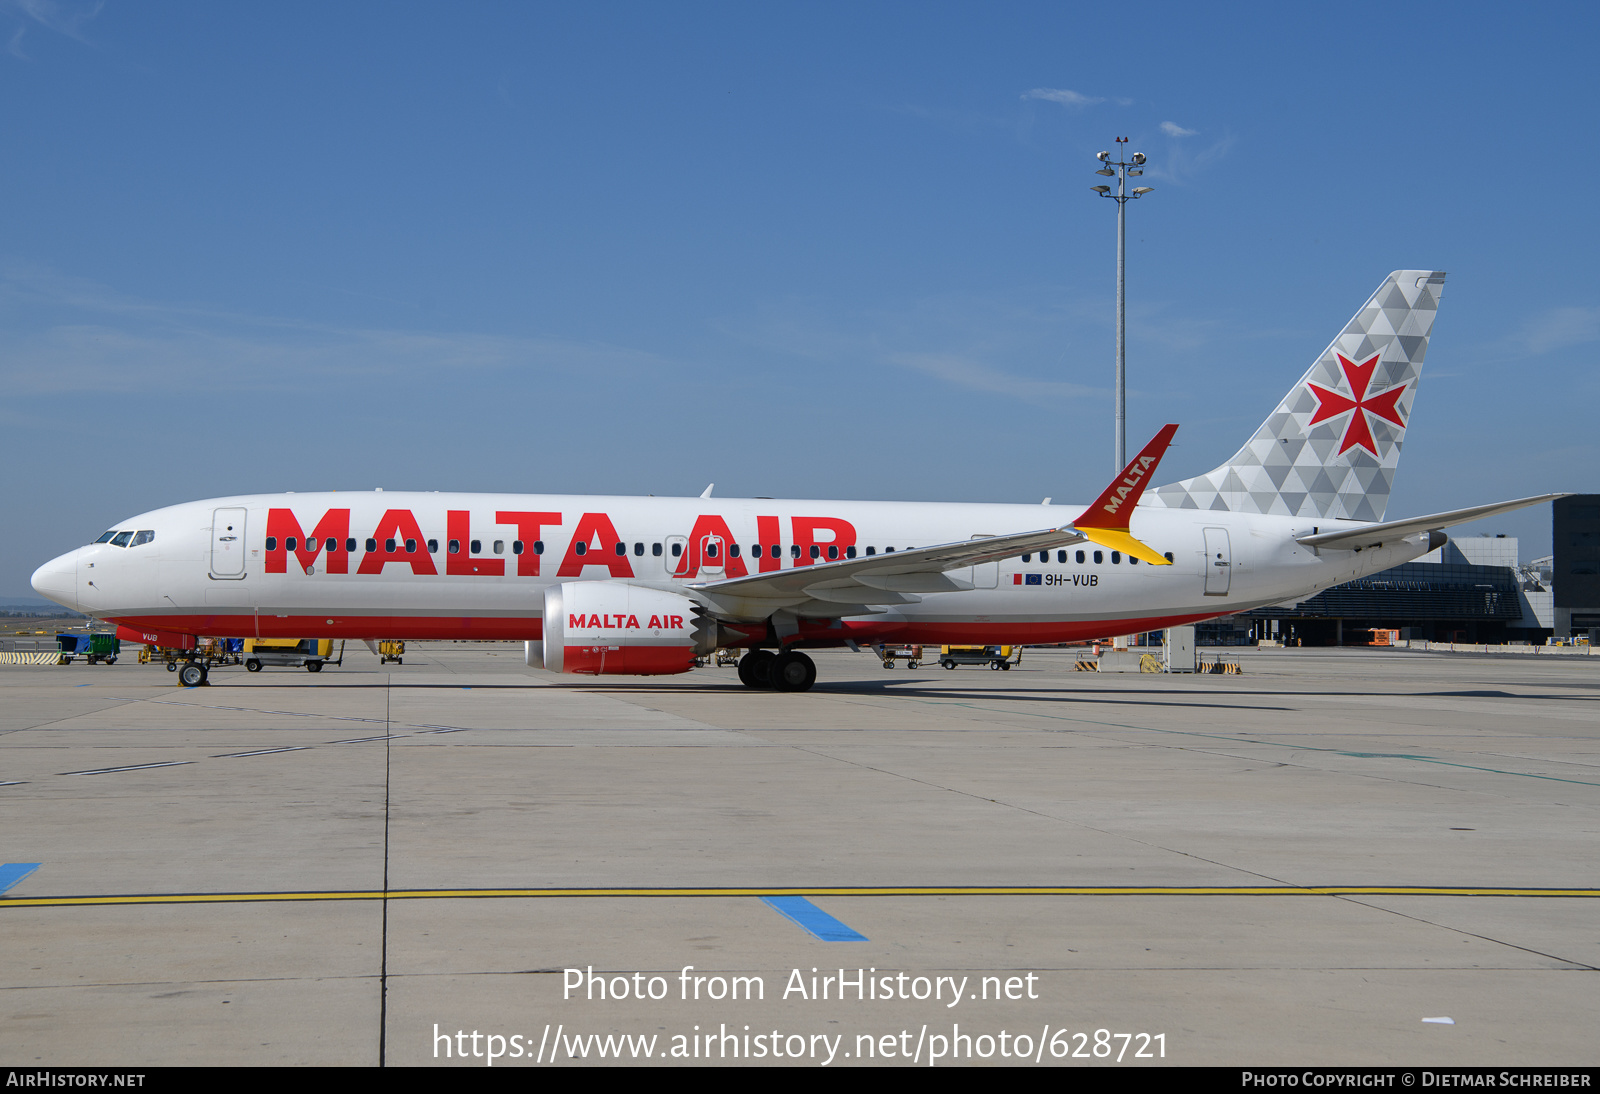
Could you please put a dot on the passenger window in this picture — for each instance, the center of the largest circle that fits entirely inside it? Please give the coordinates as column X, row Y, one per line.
column 888, row 550
column 638, row 549
column 655, row 549
column 538, row 546
column 711, row 550
column 272, row 543
column 849, row 552
column 872, row 550
column 1169, row 556
column 388, row 546
column 372, row 545
column 350, row 545
column 143, row 537
column 1027, row 558
column 411, row 546
column 477, row 546
column 289, row 543
column 121, row 539
column 1080, row 556
column 622, row 548
column 1116, row 556
column 580, row 548
column 794, row 550
column 455, row 546
column 106, row 538
column 833, row 552
column 1061, row 557
column 433, row 546
column 516, row 546
column 1099, row 558
column 733, row 550
column 1132, row 561
column 499, row 546
column 311, row 543
column 677, row 549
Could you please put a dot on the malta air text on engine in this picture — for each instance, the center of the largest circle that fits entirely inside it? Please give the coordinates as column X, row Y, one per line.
column 579, row 621
column 399, row 539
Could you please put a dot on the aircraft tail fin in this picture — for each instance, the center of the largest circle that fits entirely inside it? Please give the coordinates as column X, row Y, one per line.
column 1331, row 447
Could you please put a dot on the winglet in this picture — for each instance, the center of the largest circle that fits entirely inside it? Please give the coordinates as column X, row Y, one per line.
column 1106, row 521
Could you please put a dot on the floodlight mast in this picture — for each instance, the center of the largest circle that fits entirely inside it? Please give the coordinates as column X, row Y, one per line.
column 1134, row 165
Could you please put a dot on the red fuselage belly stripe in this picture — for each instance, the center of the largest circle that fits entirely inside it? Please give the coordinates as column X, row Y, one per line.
column 531, row 628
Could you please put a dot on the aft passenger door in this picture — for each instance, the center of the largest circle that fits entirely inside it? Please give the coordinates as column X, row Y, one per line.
column 1219, row 562
column 227, row 543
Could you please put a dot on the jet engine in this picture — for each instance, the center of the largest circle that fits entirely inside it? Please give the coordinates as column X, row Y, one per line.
column 610, row 628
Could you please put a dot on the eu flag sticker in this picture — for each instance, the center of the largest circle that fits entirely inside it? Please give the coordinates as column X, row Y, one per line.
column 1035, row 579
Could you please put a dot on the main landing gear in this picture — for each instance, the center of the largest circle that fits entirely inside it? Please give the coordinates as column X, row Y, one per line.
column 790, row 670
column 192, row 674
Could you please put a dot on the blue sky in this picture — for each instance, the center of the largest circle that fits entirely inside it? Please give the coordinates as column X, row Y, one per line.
column 804, row 250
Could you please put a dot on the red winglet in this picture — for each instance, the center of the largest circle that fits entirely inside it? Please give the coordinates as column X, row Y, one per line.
column 1113, row 508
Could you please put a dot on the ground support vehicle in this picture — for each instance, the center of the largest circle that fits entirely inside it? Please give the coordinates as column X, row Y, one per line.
column 389, row 651
column 309, row 653
column 996, row 657
column 93, row 648
column 912, row 655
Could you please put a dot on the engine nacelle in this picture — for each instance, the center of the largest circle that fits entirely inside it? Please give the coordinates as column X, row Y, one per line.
column 610, row 628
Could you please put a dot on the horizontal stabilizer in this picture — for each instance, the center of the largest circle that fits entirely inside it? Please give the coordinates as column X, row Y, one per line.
column 1377, row 535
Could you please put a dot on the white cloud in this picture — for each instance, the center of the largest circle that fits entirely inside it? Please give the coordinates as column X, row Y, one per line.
column 1559, row 328
column 61, row 334
column 62, row 18
column 962, row 371
column 1063, row 96
column 1173, row 129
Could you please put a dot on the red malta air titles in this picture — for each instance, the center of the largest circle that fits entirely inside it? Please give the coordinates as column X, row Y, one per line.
column 644, row 586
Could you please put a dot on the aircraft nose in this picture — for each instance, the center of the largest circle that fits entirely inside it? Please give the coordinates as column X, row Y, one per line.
column 58, row 580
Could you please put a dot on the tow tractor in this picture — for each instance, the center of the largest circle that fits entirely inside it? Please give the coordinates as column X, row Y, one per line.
column 996, row 657
column 312, row 653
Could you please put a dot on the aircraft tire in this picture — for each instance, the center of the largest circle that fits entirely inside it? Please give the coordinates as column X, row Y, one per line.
column 192, row 675
column 755, row 668
column 793, row 671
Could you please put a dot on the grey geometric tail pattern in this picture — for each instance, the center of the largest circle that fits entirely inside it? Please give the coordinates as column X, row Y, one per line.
column 1331, row 447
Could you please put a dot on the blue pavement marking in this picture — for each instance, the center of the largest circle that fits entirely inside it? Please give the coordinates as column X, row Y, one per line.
column 813, row 919
column 13, row 872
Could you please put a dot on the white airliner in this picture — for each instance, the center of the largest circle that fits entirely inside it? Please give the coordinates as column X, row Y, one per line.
column 642, row 586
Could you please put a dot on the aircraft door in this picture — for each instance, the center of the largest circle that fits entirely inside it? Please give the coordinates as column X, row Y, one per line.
column 984, row 575
column 227, row 543
column 1219, row 562
column 713, row 552
column 676, row 556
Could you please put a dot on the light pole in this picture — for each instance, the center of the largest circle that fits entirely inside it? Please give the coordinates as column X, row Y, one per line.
column 1124, row 169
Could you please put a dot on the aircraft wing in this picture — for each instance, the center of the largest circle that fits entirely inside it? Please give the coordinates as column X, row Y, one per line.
column 1376, row 535
column 853, row 586
column 848, row 586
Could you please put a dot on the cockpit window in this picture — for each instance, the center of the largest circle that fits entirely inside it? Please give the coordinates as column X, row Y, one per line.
column 121, row 539
column 145, row 536
column 107, row 537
